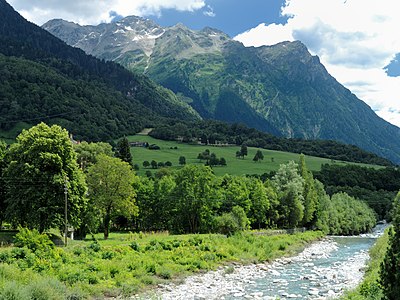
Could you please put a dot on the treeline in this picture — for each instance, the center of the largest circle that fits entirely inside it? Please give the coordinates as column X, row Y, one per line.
column 210, row 132
column 377, row 187
column 42, row 168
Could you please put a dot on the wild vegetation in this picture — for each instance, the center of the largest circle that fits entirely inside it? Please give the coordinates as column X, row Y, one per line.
column 127, row 263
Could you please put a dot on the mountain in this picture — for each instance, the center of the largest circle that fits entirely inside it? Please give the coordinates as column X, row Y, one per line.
column 44, row 79
column 281, row 89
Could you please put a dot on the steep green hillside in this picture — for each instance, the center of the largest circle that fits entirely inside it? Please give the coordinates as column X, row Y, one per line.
column 280, row 89
column 43, row 79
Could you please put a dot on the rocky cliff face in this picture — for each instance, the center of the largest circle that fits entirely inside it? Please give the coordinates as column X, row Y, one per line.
column 281, row 89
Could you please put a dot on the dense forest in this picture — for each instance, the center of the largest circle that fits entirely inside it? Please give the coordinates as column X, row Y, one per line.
column 210, row 132
column 377, row 187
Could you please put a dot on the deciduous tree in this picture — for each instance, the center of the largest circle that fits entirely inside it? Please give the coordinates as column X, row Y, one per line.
column 110, row 189
column 40, row 165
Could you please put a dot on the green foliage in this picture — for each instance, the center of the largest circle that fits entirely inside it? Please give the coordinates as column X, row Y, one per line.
column 123, row 151
column 349, row 216
column 86, row 153
column 182, row 160
column 110, row 189
column 389, row 271
column 33, row 240
column 160, row 257
column 377, row 187
column 40, row 165
column 289, row 186
column 258, row 156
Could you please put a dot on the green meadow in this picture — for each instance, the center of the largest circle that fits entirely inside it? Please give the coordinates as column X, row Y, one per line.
column 235, row 166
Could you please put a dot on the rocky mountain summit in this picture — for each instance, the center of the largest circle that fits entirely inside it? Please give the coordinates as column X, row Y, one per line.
column 281, row 89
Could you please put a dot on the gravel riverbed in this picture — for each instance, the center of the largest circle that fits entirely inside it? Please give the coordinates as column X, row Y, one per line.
column 273, row 280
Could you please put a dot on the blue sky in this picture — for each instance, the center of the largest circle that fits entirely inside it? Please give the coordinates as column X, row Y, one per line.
column 230, row 16
column 356, row 40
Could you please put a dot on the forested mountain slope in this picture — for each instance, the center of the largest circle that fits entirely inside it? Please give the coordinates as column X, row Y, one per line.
column 281, row 89
column 42, row 78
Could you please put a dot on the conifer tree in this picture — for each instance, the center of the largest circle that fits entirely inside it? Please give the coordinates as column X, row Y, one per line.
column 123, row 151
column 390, row 267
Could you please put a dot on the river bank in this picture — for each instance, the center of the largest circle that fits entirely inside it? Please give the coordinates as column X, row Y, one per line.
column 325, row 269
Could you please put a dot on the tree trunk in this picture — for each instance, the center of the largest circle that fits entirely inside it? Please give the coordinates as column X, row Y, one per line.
column 107, row 220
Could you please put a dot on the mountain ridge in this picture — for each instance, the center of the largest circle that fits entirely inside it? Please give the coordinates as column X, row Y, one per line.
column 52, row 75
column 281, row 89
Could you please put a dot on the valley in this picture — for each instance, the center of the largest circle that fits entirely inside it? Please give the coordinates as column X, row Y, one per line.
column 147, row 161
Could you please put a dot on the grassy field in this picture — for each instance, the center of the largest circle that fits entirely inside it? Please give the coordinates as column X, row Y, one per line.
column 271, row 162
column 128, row 263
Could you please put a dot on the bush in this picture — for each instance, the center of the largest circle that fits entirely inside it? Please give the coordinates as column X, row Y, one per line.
column 33, row 240
column 12, row 291
column 134, row 246
column 95, row 246
column 232, row 222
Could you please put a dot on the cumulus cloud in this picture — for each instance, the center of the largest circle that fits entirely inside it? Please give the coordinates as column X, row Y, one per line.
column 355, row 40
column 97, row 11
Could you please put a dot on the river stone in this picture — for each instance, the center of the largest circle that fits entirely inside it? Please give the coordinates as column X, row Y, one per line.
column 313, row 292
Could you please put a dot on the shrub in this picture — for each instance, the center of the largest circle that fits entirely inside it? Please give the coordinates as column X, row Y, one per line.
column 95, row 246
column 46, row 289
column 134, row 246
column 33, row 240
column 12, row 291
column 108, row 255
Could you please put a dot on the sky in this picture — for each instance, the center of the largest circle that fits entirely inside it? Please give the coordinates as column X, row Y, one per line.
column 356, row 40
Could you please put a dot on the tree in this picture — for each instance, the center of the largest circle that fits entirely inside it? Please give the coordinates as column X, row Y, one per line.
column 182, row 160
column 289, row 185
column 168, row 164
column 153, row 164
column 310, row 196
column 146, row 164
column 40, row 165
column 3, row 151
column 390, row 271
column 259, row 202
column 193, row 199
column 243, row 150
column 123, row 151
column 87, row 152
column 110, row 189
column 222, row 161
column 258, row 156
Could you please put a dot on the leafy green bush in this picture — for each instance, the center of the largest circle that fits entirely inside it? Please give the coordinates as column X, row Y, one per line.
column 33, row 240
column 134, row 246
column 95, row 246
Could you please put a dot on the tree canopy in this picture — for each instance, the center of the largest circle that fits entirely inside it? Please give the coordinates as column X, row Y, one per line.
column 110, row 183
column 39, row 166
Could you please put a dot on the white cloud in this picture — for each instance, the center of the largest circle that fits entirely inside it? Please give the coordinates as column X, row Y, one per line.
column 355, row 40
column 97, row 11
column 209, row 12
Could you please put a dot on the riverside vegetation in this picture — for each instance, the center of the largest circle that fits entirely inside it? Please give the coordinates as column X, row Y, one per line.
column 191, row 199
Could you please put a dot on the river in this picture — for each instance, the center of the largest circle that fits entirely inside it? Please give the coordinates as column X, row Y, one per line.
column 322, row 271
